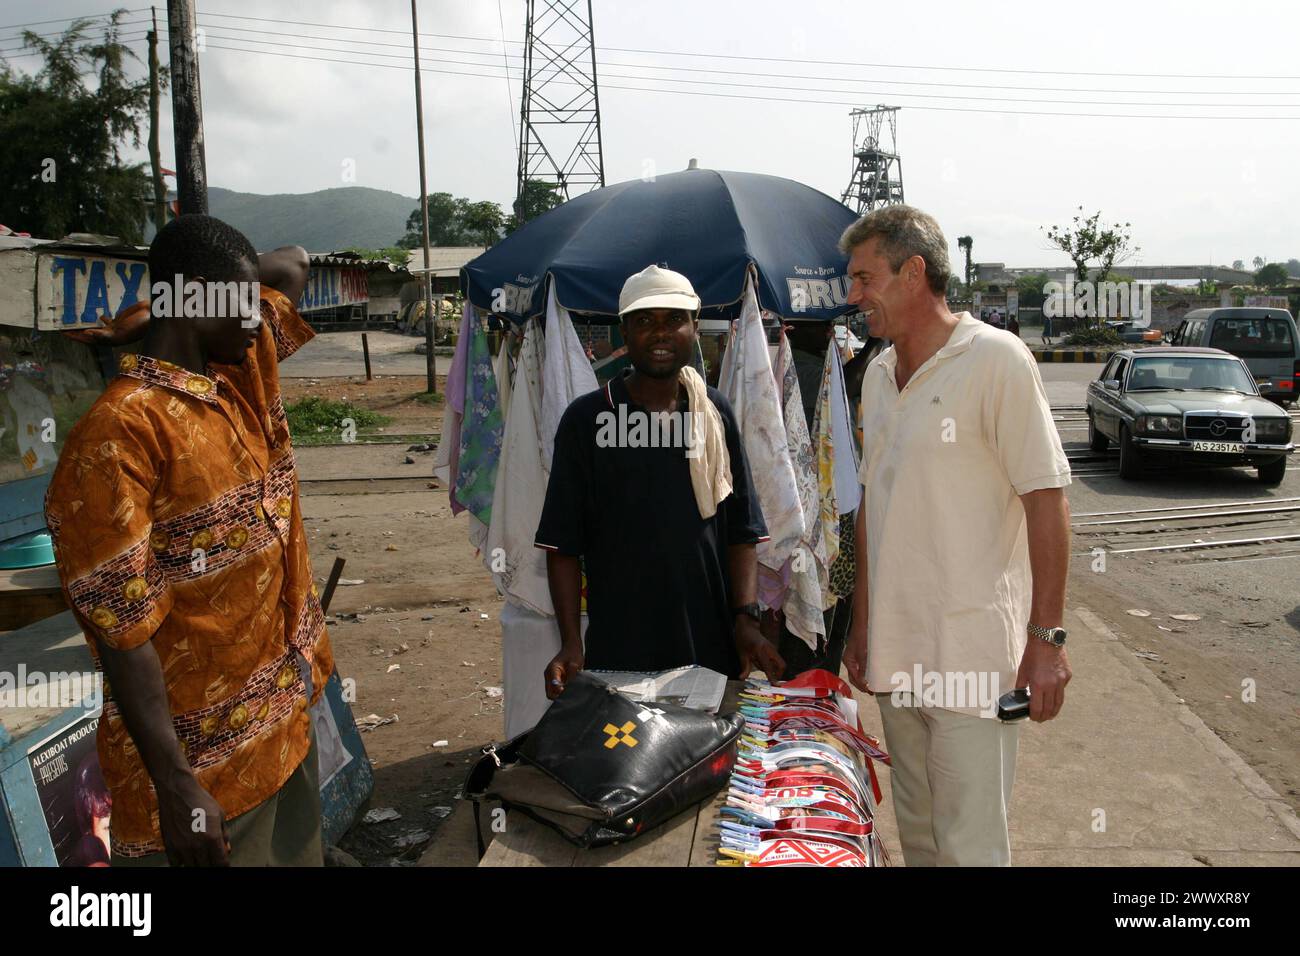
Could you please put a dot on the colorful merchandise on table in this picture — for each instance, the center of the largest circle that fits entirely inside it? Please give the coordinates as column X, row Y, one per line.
column 803, row 791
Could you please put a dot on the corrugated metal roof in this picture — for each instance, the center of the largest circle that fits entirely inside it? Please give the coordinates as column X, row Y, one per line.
column 445, row 261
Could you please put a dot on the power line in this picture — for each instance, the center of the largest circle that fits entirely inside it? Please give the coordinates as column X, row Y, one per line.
column 37, row 23
column 60, row 33
column 129, row 37
column 279, row 44
column 772, row 59
column 494, row 73
column 510, row 106
column 772, row 99
column 731, row 72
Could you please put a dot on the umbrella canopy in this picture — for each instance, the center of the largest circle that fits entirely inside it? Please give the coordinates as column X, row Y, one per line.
column 709, row 225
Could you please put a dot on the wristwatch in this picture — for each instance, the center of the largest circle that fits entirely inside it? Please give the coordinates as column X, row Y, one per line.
column 754, row 610
column 1052, row 635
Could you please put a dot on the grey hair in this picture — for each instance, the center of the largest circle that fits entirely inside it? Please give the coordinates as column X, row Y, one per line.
column 904, row 231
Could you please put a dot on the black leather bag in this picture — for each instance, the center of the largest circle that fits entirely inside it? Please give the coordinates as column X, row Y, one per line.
column 601, row 768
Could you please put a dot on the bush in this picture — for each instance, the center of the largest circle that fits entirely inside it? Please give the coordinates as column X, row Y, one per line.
column 1093, row 336
column 314, row 414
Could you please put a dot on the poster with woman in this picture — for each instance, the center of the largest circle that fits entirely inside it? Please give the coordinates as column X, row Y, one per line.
column 73, row 795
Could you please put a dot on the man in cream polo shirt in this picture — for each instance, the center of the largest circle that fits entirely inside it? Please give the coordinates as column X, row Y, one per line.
column 962, row 544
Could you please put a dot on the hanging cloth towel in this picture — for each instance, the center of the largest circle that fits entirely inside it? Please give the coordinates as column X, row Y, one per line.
column 847, row 490
column 502, row 371
column 480, row 431
column 799, row 590
column 837, row 461
column 446, row 458
column 566, row 375
column 711, row 465
column 518, row 567
column 772, row 584
column 756, row 400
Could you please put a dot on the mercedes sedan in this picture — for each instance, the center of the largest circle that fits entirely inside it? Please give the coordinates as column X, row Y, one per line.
column 1175, row 405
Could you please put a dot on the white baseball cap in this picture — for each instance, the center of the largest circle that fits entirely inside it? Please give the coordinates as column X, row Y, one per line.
column 656, row 288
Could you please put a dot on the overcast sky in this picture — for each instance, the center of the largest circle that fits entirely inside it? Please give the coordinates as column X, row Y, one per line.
column 1195, row 190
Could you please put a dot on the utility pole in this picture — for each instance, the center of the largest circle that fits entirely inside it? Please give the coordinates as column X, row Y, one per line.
column 155, row 158
column 430, row 363
column 187, row 109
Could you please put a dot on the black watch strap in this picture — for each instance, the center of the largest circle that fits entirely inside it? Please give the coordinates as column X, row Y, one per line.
column 754, row 610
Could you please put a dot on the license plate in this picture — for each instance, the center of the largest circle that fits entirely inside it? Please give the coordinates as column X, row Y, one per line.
column 1229, row 447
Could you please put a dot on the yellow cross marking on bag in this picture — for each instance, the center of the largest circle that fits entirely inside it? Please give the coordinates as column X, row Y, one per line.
column 620, row 735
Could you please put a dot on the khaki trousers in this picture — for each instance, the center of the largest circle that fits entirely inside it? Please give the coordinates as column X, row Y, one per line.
column 951, row 777
column 283, row 830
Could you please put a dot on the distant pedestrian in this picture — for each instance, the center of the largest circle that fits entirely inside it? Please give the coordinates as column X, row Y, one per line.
column 1047, row 330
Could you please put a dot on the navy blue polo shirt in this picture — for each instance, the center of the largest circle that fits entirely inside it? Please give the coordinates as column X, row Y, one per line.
column 658, row 594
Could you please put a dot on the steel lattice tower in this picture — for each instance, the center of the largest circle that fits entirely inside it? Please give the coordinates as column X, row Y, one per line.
column 559, row 119
column 877, row 172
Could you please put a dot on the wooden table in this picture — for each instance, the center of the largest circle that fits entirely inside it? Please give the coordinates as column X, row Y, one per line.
column 689, row 839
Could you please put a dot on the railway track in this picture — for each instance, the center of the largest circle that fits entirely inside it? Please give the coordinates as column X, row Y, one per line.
column 1259, row 529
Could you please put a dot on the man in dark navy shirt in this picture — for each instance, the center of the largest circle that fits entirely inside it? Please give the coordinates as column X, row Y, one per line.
column 666, row 587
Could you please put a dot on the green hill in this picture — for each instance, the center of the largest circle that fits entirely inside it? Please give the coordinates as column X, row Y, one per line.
column 323, row 221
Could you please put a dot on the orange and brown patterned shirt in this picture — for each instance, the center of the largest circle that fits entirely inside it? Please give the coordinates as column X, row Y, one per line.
column 175, row 518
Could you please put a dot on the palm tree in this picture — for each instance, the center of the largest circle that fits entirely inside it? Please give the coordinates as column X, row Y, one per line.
column 966, row 242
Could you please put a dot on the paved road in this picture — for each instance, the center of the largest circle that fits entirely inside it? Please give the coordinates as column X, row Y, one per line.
column 333, row 354
column 1237, row 666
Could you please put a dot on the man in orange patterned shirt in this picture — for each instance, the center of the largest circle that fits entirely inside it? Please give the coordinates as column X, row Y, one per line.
column 179, row 540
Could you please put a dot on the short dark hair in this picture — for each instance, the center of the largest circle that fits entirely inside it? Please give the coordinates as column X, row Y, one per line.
column 196, row 245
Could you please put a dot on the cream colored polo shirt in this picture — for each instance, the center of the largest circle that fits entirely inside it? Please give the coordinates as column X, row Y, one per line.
column 948, row 559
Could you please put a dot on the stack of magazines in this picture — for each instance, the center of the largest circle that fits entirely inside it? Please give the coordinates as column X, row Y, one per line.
column 804, row 791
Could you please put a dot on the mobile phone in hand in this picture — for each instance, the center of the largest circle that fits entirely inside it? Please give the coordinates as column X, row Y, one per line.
column 1014, row 704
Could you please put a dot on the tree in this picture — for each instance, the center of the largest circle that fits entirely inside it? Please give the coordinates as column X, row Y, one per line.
column 1239, row 265
column 1258, row 262
column 395, row 254
column 1031, row 290
column 966, row 243
column 1293, row 267
column 1090, row 240
column 61, row 167
column 538, row 197
column 1272, row 274
column 454, row 222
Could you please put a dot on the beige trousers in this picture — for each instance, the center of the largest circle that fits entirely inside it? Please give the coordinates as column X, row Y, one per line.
column 951, row 777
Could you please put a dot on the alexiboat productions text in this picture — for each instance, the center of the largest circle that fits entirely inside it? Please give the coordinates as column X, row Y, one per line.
column 1206, row 903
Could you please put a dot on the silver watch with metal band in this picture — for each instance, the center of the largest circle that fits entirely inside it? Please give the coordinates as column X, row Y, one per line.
column 1052, row 635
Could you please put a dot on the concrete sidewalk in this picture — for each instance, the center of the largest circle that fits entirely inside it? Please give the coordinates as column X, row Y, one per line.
column 1172, row 792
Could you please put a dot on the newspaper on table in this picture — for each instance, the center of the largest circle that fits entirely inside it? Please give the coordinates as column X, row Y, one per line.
column 695, row 687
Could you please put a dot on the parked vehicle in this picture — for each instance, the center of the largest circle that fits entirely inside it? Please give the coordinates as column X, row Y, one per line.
column 1128, row 332
column 1265, row 339
column 1181, row 405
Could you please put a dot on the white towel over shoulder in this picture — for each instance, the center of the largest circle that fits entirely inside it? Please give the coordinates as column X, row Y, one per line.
column 710, row 462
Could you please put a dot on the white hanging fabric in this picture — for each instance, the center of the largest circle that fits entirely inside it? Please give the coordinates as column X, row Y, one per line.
column 502, row 369
column 847, row 490
column 799, row 586
column 519, row 567
column 566, row 374
column 751, row 388
column 528, row 642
